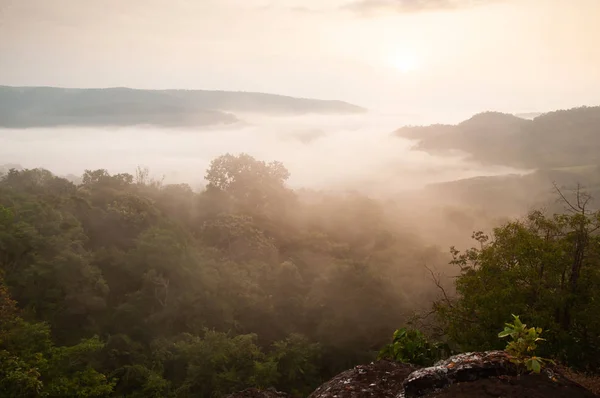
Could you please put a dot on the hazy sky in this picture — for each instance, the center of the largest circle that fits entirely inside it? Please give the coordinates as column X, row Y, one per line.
column 402, row 55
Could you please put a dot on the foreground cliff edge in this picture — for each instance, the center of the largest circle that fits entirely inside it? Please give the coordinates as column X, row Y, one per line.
column 469, row 375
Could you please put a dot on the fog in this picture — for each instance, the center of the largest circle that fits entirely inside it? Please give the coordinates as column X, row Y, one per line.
column 321, row 152
column 119, row 280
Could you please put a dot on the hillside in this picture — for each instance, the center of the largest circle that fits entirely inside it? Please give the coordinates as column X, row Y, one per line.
column 511, row 195
column 22, row 107
column 564, row 138
column 252, row 284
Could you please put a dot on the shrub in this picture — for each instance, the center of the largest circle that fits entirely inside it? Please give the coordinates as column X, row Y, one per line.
column 523, row 344
column 412, row 346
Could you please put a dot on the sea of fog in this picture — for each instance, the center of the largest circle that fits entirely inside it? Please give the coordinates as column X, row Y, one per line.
column 322, row 152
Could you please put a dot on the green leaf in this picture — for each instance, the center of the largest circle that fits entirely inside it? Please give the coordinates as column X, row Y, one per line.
column 536, row 366
column 503, row 334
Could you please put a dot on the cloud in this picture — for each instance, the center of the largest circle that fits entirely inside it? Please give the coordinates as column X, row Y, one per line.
column 368, row 7
column 305, row 7
column 294, row 9
column 302, row 10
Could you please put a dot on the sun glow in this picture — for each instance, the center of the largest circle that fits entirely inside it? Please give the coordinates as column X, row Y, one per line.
column 405, row 63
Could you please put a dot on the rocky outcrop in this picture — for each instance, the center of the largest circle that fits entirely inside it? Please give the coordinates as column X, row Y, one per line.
column 457, row 369
column 380, row 379
column 487, row 374
column 469, row 375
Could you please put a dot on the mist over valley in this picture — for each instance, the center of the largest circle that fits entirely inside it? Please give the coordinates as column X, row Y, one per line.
column 299, row 199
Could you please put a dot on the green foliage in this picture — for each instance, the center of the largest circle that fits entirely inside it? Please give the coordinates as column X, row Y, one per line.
column 523, row 344
column 217, row 364
column 18, row 378
column 197, row 293
column 547, row 267
column 32, row 366
column 411, row 346
column 296, row 360
column 205, row 293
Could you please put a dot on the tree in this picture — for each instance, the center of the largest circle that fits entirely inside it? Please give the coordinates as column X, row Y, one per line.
column 546, row 268
column 102, row 177
column 297, row 364
column 176, row 292
column 32, row 366
column 253, row 186
column 45, row 264
column 217, row 364
column 238, row 236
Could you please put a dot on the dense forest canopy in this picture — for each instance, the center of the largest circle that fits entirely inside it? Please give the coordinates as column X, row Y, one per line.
column 168, row 291
column 118, row 285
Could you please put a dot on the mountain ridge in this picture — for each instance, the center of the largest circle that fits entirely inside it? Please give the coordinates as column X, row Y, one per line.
column 46, row 106
column 561, row 138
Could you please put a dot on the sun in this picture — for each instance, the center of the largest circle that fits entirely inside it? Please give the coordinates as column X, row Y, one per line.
column 405, row 63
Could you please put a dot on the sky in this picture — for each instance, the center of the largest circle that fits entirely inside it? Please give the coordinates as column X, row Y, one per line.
column 436, row 56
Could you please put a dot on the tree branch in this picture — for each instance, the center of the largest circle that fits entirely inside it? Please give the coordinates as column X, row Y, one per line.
column 570, row 205
column 438, row 284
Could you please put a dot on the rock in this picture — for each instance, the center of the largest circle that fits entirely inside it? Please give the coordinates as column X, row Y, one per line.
column 379, row 379
column 459, row 368
column 527, row 385
column 487, row 374
column 255, row 393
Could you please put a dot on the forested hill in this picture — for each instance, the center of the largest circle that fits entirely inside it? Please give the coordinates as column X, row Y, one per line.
column 195, row 294
column 119, row 286
column 565, row 138
column 22, row 107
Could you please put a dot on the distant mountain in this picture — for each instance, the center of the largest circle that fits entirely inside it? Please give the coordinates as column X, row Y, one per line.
column 22, row 107
column 565, row 138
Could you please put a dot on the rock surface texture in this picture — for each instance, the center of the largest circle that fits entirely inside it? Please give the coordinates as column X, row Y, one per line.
column 470, row 375
column 459, row 368
column 380, row 379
